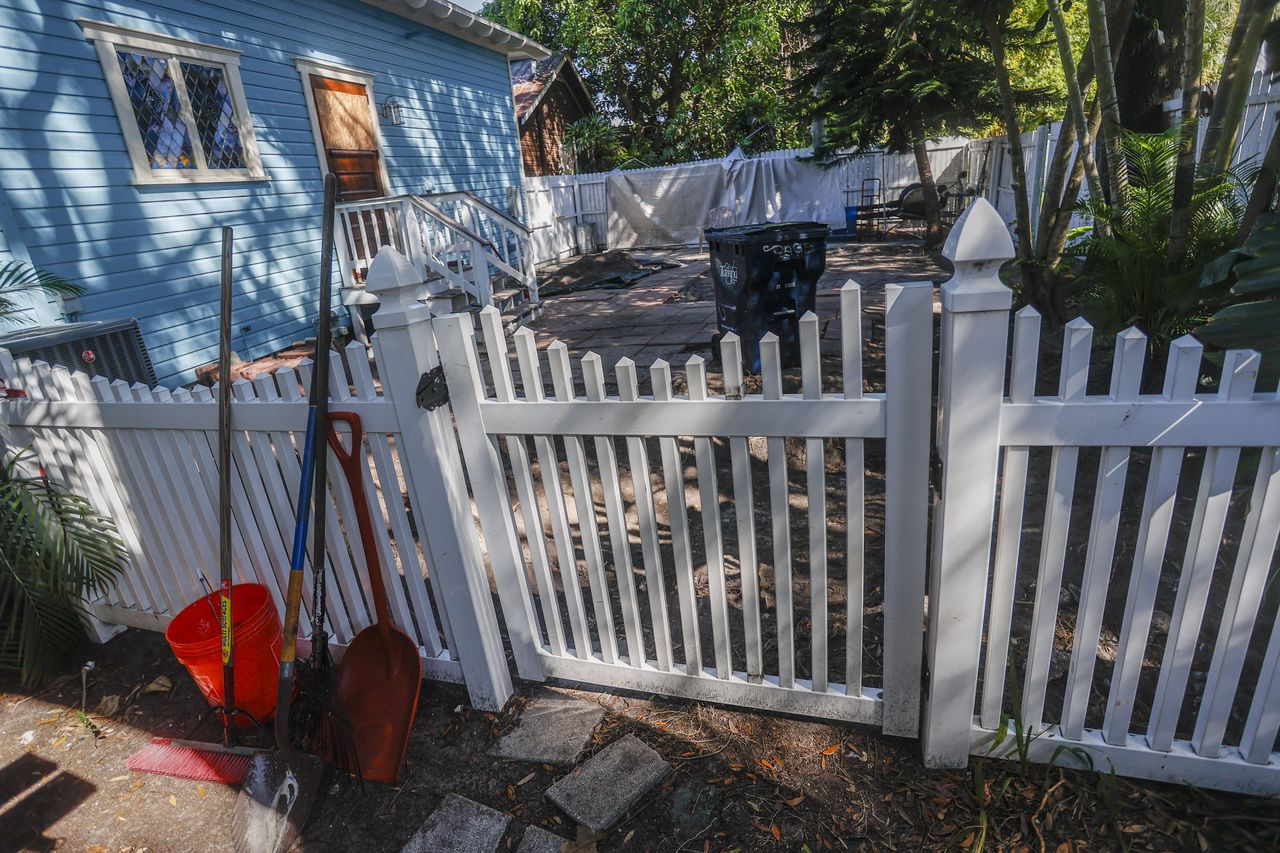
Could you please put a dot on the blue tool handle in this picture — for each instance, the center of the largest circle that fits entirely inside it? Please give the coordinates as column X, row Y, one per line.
column 304, row 495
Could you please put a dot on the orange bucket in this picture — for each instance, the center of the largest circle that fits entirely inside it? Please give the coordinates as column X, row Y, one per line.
column 194, row 636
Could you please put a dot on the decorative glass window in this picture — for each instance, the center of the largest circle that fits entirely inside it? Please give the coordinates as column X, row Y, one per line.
column 181, row 106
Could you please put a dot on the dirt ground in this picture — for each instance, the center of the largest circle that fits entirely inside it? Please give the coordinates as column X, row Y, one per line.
column 740, row 781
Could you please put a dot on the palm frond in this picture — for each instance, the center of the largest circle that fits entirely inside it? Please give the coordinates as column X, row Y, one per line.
column 55, row 551
column 20, row 277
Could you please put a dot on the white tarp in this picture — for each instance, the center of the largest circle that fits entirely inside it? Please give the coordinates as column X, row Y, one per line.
column 670, row 206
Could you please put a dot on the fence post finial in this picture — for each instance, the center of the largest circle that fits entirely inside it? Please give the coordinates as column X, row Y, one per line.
column 394, row 282
column 975, row 334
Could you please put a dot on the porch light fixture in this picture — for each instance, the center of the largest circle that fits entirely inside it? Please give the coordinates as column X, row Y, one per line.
column 393, row 110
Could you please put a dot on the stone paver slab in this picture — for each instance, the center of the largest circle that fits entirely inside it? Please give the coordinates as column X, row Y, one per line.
column 552, row 730
column 538, row 840
column 599, row 792
column 459, row 825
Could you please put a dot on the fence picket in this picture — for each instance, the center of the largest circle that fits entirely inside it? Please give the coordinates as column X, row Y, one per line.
column 855, row 486
column 553, row 489
column 77, row 387
column 709, row 495
column 248, row 552
column 346, row 557
column 1126, row 377
column 1213, row 498
column 495, row 344
column 744, row 512
column 80, row 469
column 816, row 474
column 647, row 520
column 1181, row 375
column 615, row 514
column 779, row 508
column 1263, row 723
column 908, row 320
column 1248, row 585
column 1004, row 572
column 123, row 444
column 160, row 501
column 678, row 522
column 1077, row 339
column 585, row 506
column 456, row 339
column 410, row 573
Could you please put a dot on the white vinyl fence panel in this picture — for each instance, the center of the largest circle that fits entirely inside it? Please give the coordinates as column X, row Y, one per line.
column 1099, row 554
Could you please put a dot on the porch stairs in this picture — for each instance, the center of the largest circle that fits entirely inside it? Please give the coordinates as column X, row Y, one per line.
column 470, row 253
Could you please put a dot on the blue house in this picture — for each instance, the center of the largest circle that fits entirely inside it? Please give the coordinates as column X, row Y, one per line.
column 132, row 131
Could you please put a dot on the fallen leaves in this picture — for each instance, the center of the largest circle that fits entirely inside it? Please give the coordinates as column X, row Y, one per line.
column 162, row 684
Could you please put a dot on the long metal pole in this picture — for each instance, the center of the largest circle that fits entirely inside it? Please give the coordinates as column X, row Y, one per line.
column 224, row 492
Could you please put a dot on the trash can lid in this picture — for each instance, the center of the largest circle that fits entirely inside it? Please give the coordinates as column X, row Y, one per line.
column 770, row 231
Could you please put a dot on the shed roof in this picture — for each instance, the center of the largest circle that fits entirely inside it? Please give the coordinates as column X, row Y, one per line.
column 468, row 26
column 531, row 78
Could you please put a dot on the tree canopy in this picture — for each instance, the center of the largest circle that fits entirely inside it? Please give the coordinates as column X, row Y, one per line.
column 682, row 79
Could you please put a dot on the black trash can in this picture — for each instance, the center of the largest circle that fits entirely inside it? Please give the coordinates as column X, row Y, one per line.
column 766, row 278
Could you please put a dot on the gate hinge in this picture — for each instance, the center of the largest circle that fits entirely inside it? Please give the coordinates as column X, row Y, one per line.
column 433, row 391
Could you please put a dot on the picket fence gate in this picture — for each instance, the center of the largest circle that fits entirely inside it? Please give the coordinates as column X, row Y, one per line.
column 665, row 536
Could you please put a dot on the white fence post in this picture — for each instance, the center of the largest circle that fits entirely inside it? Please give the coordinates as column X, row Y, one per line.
column 975, row 333
column 406, row 349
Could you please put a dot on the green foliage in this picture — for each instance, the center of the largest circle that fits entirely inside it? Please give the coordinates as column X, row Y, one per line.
column 592, row 143
column 18, row 278
column 883, row 72
column 681, row 79
column 55, row 550
column 1244, row 284
column 1128, row 281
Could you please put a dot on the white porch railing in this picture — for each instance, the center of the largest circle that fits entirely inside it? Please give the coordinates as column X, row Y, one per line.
column 455, row 240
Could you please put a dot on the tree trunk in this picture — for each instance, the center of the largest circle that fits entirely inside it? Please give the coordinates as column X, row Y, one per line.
column 1075, row 99
column 1056, row 211
column 1185, row 172
column 1233, row 85
column 1264, row 187
column 1057, row 242
column 1022, row 208
column 1151, row 69
column 929, row 188
column 1112, row 131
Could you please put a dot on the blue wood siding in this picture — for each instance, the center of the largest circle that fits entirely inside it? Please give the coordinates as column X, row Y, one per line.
column 151, row 252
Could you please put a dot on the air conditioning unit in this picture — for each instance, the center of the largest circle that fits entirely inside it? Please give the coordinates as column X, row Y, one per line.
column 110, row 348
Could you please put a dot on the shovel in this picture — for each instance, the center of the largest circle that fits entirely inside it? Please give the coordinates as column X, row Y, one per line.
column 275, row 801
column 381, row 673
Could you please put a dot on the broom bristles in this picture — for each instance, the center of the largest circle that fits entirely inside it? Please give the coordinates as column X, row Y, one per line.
column 163, row 757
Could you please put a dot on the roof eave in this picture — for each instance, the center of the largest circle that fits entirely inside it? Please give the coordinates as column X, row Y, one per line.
column 468, row 26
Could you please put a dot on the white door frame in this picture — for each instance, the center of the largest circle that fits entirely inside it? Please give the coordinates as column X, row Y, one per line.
column 307, row 68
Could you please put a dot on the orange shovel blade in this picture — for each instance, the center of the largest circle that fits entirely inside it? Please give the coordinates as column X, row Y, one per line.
column 380, row 679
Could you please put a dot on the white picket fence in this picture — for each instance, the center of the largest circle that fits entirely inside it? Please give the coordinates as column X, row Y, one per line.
column 608, row 440
column 649, row 534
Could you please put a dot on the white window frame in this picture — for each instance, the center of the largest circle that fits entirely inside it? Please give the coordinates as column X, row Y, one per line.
column 108, row 38
column 308, row 67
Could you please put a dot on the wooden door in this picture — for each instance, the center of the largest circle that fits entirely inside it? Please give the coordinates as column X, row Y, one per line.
column 349, row 137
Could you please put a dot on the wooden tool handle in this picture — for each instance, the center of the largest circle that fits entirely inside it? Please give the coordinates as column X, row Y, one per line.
column 352, row 462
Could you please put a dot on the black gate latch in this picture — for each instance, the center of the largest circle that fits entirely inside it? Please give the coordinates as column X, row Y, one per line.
column 432, row 392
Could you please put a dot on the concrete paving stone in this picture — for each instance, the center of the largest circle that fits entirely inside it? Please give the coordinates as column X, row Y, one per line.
column 553, row 729
column 459, row 825
column 601, row 790
column 538, row 840
column 681, row 333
